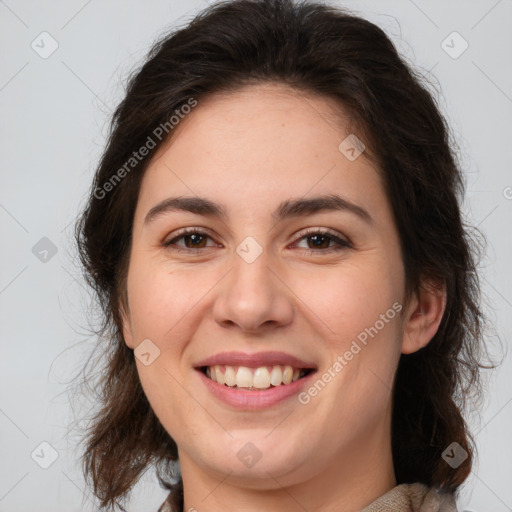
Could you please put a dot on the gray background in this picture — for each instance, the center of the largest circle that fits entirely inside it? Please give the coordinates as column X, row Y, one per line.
column 53, row 115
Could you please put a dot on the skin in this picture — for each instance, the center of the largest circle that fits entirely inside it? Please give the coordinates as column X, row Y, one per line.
column 249, row 150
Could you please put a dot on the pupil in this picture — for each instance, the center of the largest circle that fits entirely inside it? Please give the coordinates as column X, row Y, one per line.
column 195, row 238
column 318, row 238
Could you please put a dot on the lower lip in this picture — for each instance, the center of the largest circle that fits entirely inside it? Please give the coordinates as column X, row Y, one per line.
column 255, row 400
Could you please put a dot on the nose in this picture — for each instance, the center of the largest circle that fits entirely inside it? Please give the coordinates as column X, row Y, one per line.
column 253, row 297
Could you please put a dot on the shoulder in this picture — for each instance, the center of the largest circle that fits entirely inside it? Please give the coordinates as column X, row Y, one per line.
column 415, row 497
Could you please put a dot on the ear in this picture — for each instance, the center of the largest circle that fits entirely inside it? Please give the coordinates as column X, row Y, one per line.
column 127, row 330
column 423, row 317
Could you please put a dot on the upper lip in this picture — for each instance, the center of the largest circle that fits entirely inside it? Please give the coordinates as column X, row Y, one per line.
column 255, row 360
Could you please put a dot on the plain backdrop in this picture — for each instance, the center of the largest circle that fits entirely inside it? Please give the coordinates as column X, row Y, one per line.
column 54, row 110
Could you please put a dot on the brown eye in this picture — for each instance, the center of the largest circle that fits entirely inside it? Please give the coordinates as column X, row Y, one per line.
column 319, row 241
column 194, row 241
column 323, row 242
column 188, row 241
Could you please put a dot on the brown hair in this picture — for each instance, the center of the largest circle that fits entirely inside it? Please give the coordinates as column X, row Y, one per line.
column 324, row 50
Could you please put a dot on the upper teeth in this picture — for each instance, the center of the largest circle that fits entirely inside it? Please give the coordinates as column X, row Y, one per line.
column 260, row 378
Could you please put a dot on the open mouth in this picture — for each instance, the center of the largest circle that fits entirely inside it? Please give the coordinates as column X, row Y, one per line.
column 261, row 378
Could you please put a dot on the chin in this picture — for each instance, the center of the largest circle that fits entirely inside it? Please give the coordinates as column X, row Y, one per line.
column 256, row 464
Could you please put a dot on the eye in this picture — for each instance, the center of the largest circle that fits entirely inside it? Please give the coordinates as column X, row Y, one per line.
column 320, row 240
column 193, row 240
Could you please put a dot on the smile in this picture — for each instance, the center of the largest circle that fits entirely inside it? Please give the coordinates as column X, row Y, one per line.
column 263, row 377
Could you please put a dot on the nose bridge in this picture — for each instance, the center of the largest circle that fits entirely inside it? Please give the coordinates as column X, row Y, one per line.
column 251, row 272
column 252, row 296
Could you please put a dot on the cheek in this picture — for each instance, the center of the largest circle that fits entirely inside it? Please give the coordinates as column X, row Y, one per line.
column 358, row 307
column 160, row 298
column 348, row 300
column 358, row 310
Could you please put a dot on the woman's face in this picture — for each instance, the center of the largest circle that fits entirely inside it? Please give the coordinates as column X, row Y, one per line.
column 279, row 275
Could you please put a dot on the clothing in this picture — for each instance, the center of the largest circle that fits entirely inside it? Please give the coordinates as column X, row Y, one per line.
column 402, row 498
column 413, row 498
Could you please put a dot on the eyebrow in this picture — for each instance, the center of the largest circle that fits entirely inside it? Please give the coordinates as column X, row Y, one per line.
column 286, row 209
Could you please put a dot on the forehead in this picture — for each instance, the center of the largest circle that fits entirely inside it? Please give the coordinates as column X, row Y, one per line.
column 259, row 143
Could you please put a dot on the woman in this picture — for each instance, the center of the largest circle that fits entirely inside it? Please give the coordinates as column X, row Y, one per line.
column 290, row 297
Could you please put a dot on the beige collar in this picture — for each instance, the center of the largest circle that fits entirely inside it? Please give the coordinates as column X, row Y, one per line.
column 413, row 498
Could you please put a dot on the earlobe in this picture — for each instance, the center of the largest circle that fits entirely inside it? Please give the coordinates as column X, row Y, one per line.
column 424, row 316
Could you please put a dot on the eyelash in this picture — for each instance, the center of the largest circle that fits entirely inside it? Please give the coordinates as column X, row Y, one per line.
column 342, row 244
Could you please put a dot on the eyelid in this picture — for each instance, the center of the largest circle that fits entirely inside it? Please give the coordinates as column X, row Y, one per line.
column 323, row 231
